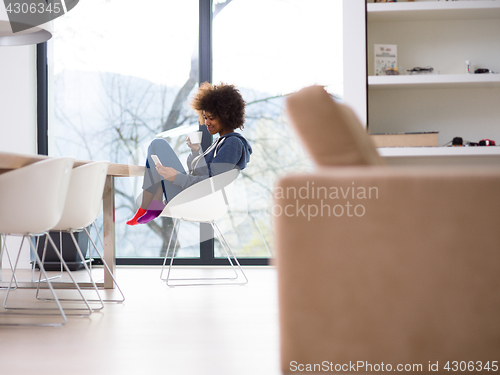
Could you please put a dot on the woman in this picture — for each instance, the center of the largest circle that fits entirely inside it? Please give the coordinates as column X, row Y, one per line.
column 221, row 109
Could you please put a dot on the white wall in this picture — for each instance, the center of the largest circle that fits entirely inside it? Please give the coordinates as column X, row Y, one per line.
column 354, row 55
column 18, row 99
column 18, row 111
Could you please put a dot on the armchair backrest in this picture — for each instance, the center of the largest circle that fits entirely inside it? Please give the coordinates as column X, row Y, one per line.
column 330, row 131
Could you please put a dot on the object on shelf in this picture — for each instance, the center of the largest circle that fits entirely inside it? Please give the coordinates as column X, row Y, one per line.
column 483, row 71
column 386, row 56
column 467, row 67
column 418, row 139
column 419, row 70
column 486, row 142
column 391, row 71
column 457, row 142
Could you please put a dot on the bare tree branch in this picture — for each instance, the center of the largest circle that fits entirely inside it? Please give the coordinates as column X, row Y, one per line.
column 219, row 6
column 180, row 99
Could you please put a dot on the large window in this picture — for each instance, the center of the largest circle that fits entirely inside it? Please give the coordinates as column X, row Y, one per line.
column 269, row 49
column 123, row 73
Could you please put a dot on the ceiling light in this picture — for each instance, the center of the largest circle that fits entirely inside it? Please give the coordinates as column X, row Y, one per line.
column 33, row 35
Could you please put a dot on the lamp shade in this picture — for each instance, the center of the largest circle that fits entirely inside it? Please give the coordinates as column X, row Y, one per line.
column 33, row 35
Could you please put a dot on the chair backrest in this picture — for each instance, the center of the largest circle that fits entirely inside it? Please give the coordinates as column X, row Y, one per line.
column 32, row 197
column 330, row 131
column 83, row 202
column 203, row 202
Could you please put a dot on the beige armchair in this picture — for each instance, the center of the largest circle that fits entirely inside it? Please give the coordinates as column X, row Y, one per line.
column 383, row 266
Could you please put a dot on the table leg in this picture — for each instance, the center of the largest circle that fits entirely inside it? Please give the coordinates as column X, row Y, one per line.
column 109, row 230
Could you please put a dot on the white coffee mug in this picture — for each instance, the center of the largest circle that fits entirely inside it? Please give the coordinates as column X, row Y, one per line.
column 195, row 137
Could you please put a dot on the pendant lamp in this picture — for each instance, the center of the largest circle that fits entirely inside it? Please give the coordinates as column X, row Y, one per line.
column 33, row 35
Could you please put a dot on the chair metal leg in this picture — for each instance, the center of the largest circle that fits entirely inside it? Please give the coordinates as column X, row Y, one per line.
column 94, row 286
column 6, row 250
column 229, row 252
column 254, row 221
column 175, row 228
column 70, row 274
column 205, row 280
column 43, row 260
column 104, row 263
column 42, row 270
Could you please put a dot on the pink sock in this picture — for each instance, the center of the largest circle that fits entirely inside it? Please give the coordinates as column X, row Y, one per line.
column 154, row 210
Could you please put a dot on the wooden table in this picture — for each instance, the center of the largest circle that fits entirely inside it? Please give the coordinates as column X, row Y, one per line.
column 10, row 161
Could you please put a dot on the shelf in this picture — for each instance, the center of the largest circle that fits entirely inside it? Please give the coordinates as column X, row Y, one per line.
column 435, row 156
column 439, row 151
column 434, row 81
column 433, row 10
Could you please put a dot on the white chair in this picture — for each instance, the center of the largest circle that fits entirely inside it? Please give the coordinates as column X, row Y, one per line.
column 82, row 207
column 31, row 203
column 204, row 202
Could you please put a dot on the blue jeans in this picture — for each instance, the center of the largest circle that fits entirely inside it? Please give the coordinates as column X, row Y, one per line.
column 168, row 158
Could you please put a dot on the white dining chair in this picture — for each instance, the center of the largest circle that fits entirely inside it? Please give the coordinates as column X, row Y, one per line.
column 82, row 207
column 31, row 203
column 205, row 202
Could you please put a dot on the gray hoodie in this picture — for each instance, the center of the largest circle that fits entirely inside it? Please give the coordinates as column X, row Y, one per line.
column 227, row 152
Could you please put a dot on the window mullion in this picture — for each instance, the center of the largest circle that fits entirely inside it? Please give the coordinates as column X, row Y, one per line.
column 205, row 75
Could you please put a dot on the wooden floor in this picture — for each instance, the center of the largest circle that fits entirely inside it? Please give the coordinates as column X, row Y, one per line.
column 158, row 330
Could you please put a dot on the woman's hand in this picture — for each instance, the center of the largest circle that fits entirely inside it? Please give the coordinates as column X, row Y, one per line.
column 193, row 147
column 166, row 172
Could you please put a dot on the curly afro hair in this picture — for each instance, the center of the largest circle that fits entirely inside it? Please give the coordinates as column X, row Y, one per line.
column 222, row 100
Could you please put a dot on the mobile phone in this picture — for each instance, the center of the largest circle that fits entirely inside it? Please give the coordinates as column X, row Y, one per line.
column 156, row 159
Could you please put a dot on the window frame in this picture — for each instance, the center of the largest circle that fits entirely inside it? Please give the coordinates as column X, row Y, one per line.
column 207, row 248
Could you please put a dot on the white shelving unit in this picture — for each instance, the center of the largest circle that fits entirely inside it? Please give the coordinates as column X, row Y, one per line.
column 442, row 35
column 433, row 11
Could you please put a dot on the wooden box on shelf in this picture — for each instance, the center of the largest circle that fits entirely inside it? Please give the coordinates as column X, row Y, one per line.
column 417, row 139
